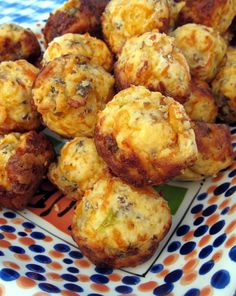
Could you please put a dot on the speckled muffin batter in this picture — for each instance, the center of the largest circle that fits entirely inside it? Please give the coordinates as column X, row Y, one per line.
column 145, row 137
column 201, row 104
column 84, row 45
column 203, row 48
column 154, row 61
column 124, row 19
column 16, row 110
column 68, row 93
column 24, row 159
column 78, row 167
column 117, row 225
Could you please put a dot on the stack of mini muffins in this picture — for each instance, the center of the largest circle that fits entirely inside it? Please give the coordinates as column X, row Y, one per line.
column 136, row 86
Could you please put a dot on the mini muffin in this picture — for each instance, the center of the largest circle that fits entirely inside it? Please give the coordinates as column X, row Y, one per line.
column 201, row 105
column 24, row 159
column 75, row 16
column 124, row 19
column 117, row 225
column 153, row 60
column 217, row 14
column 145, row 137
column 84, row 45
column 16, row 111
column 78, row 167
column 224, row 88
column 18, row 43
column 215, row 151
column 203, row 48
column 69, row 92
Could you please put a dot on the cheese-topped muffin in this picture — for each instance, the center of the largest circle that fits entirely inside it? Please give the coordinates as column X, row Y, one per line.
column 16, row 110
column 224, row 88
column 75, row 16
column 203, row 47
column 145, row 137
column 84, row 45
column 69, row 92
column 154, row 61
column 24, row 159
column 215, row 151
column 217, row 14
column 117, row 225
column 123, row 19
column 78, row 167
column 201, row 105
column 18, row 43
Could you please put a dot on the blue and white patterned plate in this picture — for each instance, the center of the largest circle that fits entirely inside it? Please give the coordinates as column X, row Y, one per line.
column 197, row 258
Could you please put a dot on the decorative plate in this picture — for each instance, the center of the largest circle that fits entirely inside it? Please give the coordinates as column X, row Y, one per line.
column 197, row 258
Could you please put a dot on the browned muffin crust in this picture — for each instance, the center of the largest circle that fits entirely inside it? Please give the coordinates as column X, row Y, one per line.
column 212, row 13
column 215, row 151
column 17, row 43
column 25, row 169
column 81, row 16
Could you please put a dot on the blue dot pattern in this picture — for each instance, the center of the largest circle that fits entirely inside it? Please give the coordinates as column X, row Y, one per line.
column 192, row 292
column 35, row 276
column 206, row 267
column 7, row 228
column 73, row 288
column 35, row 268
column 8, row 274
column 100, row 279
column 219, row 240
column 49, row 288
column 37, row 248
column 173, row 276
column 232, row 254
column 131, row 280
column 187, row 248
column 163, row 289
column 220, row 279
column 205, row 252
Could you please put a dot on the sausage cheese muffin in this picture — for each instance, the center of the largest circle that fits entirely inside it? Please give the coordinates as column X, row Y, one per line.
column 224, row 88
column 24, row 159
column 117, row 225
column 123, row 19
column 215, row 151
column 75, row 16
column 201, row 105
column 69, row 92
column 145, row 137
column 78, row 167
column 153, row 60
column 212, row 13
column 16, row 111
column 18, row 43
column 84, row 45
column 203, row 48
